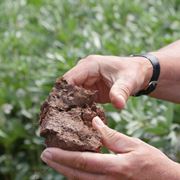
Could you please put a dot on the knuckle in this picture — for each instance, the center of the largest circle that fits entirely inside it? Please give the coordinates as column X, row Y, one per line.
column 87, row 59
column 112, row 170
column 74, row 176
column 125, row 91
column 117, row 171
column 137, row 141
column 125, row 170
column 111, row 134
column 91, row 57
column 81, row 162
column 81, row 61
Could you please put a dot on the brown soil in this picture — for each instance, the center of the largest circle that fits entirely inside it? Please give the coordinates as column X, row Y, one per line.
column 66, row 118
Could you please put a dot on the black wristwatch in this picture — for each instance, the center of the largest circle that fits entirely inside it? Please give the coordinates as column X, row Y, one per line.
column 156, row 72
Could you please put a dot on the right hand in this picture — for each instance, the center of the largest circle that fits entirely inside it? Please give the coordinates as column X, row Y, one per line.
column 115, row 78
column 132, row 160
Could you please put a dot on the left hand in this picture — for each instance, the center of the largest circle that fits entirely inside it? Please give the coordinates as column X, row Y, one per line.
column 133, row 160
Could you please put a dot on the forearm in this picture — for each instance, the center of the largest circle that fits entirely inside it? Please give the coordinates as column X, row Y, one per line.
column 168, row 87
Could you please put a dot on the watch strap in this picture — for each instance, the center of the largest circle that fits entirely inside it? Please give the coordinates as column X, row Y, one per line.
column 156, row 72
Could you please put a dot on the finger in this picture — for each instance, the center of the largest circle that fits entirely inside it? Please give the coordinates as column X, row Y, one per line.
column 120, row 92
column 73, row 173
column 77, row 75
column 85, row 161
column 113, row 140
column 83, row 74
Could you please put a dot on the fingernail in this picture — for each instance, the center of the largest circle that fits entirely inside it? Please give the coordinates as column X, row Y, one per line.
column 121, row 98
column 98, row 121
column 46, row 155
column 121, row 101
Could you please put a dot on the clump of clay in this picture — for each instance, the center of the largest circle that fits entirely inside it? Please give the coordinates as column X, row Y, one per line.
column 66, row 118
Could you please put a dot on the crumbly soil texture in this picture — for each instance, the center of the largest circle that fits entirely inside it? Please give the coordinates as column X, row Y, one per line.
column 66, row 118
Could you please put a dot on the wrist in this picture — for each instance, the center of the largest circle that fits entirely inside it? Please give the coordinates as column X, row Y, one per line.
column 155, row 75
column 146, row 69
column 164, row 69
column 160, row 56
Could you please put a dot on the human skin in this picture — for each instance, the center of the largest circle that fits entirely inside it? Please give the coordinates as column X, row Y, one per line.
column 116, row 78
column 132, row 160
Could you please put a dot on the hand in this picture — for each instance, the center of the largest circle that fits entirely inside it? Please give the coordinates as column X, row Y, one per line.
column 115, row 78
column 133, row 160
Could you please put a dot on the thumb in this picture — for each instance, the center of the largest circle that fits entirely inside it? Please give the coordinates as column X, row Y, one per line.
column 113, row 140
column 120, row 92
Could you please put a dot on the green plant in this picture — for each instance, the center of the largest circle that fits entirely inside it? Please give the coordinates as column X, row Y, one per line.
column 42, row 39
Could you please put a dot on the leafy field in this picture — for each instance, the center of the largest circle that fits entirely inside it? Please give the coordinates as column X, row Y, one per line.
column 42, row 39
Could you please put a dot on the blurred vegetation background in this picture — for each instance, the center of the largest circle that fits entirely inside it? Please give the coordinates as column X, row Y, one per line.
column 42, row 39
